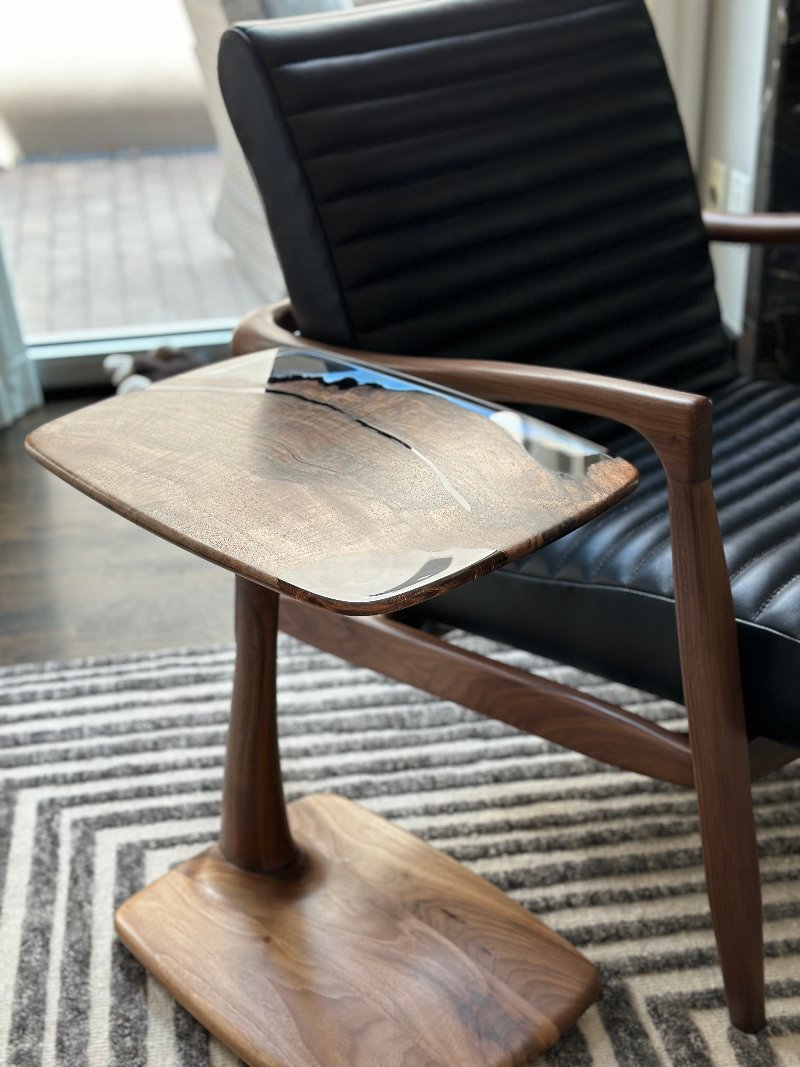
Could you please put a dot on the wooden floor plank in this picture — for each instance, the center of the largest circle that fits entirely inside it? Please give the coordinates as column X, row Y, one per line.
column 77, row 580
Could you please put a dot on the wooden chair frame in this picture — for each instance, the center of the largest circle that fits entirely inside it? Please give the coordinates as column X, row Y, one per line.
column 716, row 757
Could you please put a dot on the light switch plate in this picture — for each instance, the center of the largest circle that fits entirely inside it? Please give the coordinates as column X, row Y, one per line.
column 739, row 192
column 716, row 185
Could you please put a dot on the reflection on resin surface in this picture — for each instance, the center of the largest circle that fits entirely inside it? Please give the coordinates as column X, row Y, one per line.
column 336, row 482
column 556, row 449
column 433, row 455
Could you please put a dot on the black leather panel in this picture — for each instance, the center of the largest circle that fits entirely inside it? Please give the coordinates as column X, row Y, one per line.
column 279, row 175
column 601, row 597
column 465, row 208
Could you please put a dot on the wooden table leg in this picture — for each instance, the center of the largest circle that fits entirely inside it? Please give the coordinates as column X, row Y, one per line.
column 255, row 831
column 356, row 946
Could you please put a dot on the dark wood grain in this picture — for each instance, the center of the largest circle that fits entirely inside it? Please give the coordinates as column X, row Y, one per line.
column 361, row 514
column 677, row 424
column 720, row 750
column 767, row 756
column 565, row 716
column 255, row 834
column 383, row 951
column 762, row 229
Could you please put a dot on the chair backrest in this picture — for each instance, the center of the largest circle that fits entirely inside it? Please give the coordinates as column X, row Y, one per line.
column 482, row 178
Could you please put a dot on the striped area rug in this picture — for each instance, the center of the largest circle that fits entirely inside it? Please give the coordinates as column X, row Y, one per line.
column 111, row 772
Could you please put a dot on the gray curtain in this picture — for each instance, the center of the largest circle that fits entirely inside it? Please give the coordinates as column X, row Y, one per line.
column 20, row 390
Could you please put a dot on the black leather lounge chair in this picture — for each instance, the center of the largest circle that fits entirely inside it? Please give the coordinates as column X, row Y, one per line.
column 485, row 184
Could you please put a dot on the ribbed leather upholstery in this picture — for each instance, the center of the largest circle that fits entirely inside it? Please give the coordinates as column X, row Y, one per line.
column 498, row 179
column 601, row 597
column 508, row 179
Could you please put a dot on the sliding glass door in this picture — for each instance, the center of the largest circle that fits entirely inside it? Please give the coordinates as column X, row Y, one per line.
column 110, row 182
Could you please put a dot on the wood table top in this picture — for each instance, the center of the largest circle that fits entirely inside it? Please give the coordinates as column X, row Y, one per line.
column 331, row 480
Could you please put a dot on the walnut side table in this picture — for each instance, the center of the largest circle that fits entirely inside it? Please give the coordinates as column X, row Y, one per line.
column 318, row 935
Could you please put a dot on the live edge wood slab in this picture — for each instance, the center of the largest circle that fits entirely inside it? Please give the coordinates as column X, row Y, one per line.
column 318, row 935
column 336, row 483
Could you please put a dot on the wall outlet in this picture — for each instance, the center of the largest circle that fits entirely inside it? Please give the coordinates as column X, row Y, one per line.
column 716, row 185
column 739, row 192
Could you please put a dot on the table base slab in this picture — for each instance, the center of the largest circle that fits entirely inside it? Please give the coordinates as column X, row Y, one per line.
column 381, row 951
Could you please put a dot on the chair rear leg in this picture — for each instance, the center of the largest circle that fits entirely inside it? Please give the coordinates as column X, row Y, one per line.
column 730, row 856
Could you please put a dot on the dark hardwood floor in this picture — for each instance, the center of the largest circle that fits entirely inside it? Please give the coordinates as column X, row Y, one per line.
column 77, row 580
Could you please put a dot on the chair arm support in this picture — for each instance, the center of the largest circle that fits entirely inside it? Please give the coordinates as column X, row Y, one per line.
column 677, row 425
column 768, row 229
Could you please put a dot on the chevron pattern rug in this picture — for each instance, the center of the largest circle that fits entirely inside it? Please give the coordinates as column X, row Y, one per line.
column 111, row 772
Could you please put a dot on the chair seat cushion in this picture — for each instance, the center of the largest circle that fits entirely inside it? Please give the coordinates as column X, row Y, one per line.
column 602, row 596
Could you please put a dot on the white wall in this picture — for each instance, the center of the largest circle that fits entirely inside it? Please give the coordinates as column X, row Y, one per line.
column 738, row 38
column 682, row 29
column 715, row 51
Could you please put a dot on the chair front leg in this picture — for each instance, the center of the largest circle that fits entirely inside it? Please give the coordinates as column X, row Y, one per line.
column 719, row 744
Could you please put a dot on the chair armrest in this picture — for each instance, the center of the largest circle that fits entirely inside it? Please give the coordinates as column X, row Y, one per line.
column 677, row 425
column 765, row 229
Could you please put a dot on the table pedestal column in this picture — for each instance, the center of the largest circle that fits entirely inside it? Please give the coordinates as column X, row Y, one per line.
column 323, row 936
column 255, row 831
